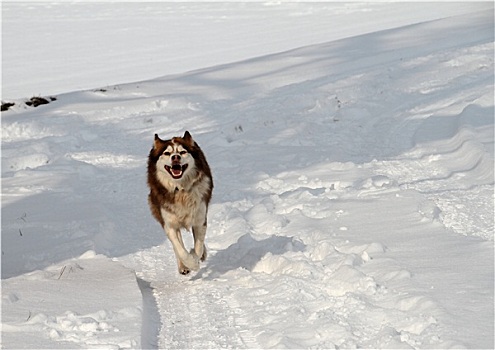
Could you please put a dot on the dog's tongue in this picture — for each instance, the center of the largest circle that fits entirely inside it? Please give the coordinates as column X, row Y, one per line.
column 176, row 170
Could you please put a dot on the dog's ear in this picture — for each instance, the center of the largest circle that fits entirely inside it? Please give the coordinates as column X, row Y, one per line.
column 157, row 142
column 188, row 138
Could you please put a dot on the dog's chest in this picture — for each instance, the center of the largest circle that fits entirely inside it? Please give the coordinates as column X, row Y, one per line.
column 187, row 209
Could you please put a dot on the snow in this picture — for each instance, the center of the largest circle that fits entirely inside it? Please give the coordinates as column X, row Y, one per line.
column 353, row 167
column 74, row 42
column 61, row 289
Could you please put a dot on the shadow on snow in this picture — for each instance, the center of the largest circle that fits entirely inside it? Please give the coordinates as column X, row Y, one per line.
column 246, row 253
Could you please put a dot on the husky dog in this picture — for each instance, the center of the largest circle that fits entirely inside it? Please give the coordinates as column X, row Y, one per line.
column 180, row 185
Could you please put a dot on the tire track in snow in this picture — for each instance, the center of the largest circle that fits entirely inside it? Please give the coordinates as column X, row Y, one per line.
column 196, row 316
column 181, row 313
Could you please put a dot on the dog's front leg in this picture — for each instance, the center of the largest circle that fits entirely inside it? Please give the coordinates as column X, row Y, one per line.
column 199, row 233
column 185, row 260
column 183, row 269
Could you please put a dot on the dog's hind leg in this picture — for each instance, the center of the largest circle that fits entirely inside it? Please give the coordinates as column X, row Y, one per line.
column 185, row 260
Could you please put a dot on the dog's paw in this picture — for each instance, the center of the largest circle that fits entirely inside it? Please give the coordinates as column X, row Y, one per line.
column 183, row 270
column 205, row 254
column 192, row 261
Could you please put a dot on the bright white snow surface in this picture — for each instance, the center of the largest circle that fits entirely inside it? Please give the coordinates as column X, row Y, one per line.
column 354, row 182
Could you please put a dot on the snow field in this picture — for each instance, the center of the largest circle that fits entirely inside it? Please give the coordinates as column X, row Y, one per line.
column 352, row 207
column 169, row 38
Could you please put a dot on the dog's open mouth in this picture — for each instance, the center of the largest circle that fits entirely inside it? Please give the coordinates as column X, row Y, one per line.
column 176, row 170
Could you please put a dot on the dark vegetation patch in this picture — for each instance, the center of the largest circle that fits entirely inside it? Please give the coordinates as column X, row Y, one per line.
column 37, row 101
column 34, row 101
column 7, row 105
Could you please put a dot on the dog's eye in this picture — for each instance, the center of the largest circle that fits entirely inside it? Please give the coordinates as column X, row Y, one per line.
column 166, row 153
column 182, row 153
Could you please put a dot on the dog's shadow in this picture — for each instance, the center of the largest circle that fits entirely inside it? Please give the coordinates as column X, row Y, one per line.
column 246, row 253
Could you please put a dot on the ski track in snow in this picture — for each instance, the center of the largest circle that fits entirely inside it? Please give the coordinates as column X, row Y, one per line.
column 352, row 181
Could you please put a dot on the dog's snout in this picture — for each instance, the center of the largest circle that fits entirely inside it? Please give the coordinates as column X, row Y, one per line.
column 175, row 158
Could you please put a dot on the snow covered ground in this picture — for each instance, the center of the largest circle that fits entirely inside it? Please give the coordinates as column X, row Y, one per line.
column 53, row 48
column 352, row 150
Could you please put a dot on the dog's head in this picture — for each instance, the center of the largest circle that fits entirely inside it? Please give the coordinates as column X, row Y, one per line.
column 174, row 157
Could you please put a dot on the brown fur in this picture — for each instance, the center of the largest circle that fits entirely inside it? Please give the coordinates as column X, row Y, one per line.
column 181, row 203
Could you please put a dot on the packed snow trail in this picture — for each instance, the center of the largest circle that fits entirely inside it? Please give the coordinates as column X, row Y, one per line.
column 353, row 202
